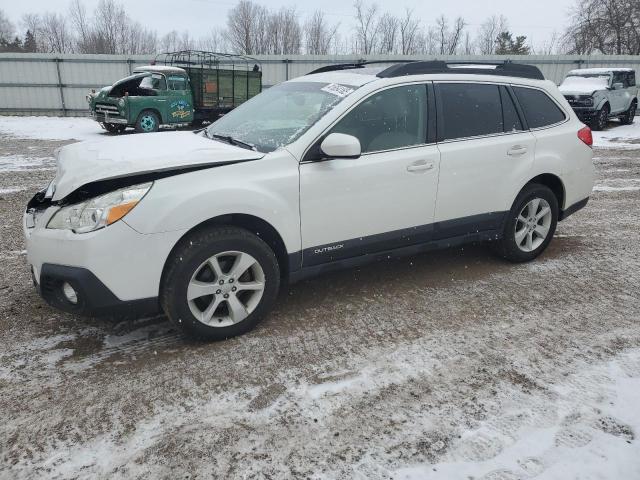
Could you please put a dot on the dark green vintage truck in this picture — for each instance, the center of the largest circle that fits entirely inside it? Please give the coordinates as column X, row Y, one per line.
column 186, row 87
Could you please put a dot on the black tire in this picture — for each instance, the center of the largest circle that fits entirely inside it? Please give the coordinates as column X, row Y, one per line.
column 629, row 115
column 601, row 118
column 147, row 122
column 186, row 261
column 507, row 247
column 113, row 128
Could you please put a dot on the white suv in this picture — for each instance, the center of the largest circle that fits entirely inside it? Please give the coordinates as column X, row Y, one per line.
column 339, row 167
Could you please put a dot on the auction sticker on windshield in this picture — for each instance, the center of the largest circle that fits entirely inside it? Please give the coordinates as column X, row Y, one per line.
column 336, row 89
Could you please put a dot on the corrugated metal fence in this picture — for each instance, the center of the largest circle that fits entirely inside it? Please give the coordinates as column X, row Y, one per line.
column 49, row 84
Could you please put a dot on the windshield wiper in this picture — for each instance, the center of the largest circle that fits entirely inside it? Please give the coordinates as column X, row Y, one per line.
column 231, row 141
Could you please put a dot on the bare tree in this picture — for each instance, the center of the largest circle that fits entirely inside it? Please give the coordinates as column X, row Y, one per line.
column 81, row 24
column 243, row 20
column 216, row 41
column 488, row 33
column 318, row 34
column 7, row 29
column 388, row 33
column 408, row 33
column 366, row 27
column 284, row 34
column 547, row 47
column 55, row 33
column 469, row 46
column 610, row 27
column 449, row 37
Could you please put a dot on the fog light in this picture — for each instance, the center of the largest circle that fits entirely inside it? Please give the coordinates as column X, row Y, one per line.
column 70, row 293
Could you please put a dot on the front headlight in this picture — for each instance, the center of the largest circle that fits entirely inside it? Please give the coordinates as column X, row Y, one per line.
column 99, row 212
column 121, row 102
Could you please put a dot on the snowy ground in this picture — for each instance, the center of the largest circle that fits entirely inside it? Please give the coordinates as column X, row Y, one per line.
column 452, row 365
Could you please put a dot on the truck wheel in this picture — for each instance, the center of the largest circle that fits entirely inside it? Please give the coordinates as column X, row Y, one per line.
column 530, row 225
column 113, row 128
column 601, row 118
column 148, row 121
column 219, row 283
column 627, row 118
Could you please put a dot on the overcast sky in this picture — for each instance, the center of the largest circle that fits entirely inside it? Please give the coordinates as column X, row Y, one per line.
column 537, row 20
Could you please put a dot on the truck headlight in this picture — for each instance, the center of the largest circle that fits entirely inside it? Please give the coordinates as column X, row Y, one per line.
column 121, row 102
column 100, row 211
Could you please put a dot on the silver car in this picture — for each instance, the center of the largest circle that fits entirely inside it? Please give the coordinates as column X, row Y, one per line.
column 598, row 94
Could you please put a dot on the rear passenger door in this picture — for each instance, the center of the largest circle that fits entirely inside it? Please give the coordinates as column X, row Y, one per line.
column 486, row 154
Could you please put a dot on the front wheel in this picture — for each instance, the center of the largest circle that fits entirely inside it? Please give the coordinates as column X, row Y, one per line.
column 148, row 121
column 114, row 128
column 219, row 283
column 530, row 225
column 627, row 118
column 601, row 118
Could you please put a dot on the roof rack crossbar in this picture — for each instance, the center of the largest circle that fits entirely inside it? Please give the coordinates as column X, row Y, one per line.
column 416, row 67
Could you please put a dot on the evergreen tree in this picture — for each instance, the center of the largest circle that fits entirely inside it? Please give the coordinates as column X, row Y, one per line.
column 505, row 45
column 30, row 45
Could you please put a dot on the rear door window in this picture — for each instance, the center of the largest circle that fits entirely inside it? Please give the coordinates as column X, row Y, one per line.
column 539, row 109
column 469, row 110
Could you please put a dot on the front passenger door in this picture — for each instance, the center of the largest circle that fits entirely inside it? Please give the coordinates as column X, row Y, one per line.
column 385, row 198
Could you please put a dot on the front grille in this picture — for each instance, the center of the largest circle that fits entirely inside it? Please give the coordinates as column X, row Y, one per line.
column 105, row 108
column 579, row 100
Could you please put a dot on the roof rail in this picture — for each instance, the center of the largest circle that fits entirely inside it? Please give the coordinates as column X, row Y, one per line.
column 415, row 67
column 506, row 68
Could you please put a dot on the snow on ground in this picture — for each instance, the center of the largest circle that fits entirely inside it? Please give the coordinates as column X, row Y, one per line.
column 451, row 365
column 51, row 128
column 619, row 136
column 591, row 437
column 15, row 163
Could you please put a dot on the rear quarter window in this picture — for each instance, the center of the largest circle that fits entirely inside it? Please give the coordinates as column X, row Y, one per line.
column 539, row 109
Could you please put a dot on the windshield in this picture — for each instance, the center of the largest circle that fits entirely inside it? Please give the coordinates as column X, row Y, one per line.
column 280, row 115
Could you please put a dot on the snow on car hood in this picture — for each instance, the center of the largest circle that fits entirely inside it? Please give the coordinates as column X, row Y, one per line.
column 575, row 85
column 86, row 162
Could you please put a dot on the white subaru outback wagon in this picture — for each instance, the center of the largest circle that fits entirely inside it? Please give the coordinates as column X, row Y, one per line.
column 347, row 164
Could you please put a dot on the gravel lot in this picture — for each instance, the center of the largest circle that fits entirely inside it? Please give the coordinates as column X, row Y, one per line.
column 448, row 365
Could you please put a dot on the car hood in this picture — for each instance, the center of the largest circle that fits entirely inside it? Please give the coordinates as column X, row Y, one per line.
column 582, row 85
column 83, row 163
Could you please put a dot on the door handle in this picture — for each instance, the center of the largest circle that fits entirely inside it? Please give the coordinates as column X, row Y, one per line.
column 420, row 166
column 517, row 150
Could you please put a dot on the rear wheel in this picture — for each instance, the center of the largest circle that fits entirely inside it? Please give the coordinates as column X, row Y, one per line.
column 530, row 226
column 601, row 119
column 148, row 121
column 220, row 283
column 627, row 118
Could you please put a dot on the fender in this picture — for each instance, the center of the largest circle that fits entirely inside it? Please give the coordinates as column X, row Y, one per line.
column 266, row 188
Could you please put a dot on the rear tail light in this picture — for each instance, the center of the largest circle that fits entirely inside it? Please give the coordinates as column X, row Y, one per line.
column 584, row 134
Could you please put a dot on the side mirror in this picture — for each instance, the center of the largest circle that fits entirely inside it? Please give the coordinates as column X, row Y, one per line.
column 339, row 145
column 618, row 86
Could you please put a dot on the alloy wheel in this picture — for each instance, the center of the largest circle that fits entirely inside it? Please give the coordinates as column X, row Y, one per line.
column 533, row 224
column 147, row 123
column 226, row 288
